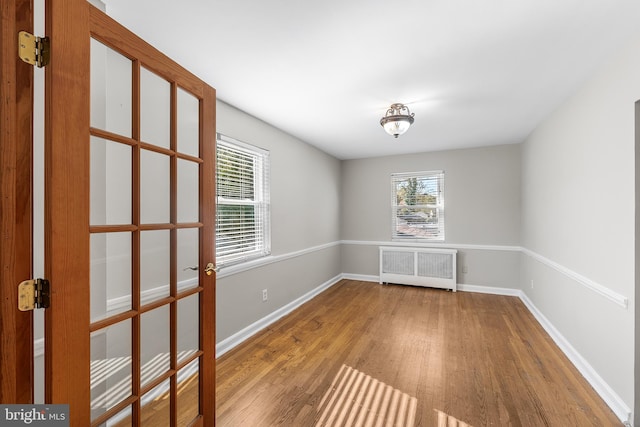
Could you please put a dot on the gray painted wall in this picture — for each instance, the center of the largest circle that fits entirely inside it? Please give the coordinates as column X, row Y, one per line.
column 482, row 210
column 482, row 194
column 578, row 211
column 305, row 225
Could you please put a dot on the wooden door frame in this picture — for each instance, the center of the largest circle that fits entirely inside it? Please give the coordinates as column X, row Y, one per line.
column 16, row 136
column 66, row 206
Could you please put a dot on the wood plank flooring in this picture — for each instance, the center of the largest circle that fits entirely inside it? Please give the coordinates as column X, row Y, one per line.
column 468, row 359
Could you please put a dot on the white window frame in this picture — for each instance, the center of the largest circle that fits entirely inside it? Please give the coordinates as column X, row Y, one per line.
column 423, row 229
column 237, row 251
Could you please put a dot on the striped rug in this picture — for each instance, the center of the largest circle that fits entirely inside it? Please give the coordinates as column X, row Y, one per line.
column 358, row 400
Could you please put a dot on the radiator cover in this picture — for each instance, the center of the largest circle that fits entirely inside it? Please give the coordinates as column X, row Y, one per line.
column 428, row 267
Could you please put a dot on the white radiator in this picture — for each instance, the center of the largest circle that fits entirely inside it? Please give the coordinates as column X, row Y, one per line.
column 430, row 267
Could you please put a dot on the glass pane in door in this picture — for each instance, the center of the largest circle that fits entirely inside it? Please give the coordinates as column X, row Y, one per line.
column 154, row 344
column 121, row 419
column 188, row 393
column 155, row 262
column 110, row 274
column 111, row 182
column 188, row 191
column 155, row 180
column 188, row 123
column 188, row 253
column 111, row 94
column 111, row 364
column 188, row 318
column 155, row 408
column 155, row 109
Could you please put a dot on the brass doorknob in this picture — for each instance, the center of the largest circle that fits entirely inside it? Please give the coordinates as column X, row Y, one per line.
column 210, row 269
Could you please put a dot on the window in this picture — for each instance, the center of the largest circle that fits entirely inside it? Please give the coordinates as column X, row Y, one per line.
column 242, row 210
column 418, row 205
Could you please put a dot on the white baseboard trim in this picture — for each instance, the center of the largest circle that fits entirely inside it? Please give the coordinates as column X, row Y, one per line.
column 493, row 290
column 611, row 398
column 227, row 344
column 361, row 277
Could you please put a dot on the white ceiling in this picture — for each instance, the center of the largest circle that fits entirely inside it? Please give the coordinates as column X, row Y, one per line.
column 474, row 72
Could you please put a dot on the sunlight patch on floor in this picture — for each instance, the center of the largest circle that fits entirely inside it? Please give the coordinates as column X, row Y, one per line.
column 446, row 420
column 355, row 399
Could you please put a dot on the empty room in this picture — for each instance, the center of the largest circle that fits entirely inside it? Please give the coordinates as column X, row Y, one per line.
column 253, row 214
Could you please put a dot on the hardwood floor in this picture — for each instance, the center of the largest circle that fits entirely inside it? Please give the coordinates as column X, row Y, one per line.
column 466, row 358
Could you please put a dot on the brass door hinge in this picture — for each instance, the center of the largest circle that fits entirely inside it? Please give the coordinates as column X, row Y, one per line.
column 32, row 294
column 33, row 50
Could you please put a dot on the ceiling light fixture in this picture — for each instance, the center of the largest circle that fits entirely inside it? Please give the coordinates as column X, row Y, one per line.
column 397, row 119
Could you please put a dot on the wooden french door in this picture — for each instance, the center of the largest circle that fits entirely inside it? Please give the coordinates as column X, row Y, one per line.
column 129, row 228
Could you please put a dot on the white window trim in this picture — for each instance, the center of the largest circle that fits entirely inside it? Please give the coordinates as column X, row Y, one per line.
column 261, row 179
column 395, row 177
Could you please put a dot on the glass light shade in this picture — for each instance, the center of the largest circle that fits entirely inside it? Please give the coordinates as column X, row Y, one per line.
column 396, row 127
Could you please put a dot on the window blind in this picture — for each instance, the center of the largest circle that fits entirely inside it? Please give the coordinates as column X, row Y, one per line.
column 417, row 203
column 242, row 210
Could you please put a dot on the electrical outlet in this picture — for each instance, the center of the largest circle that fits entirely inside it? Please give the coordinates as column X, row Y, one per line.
column 531, row 283
column 265, row 296
column 465, row 269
